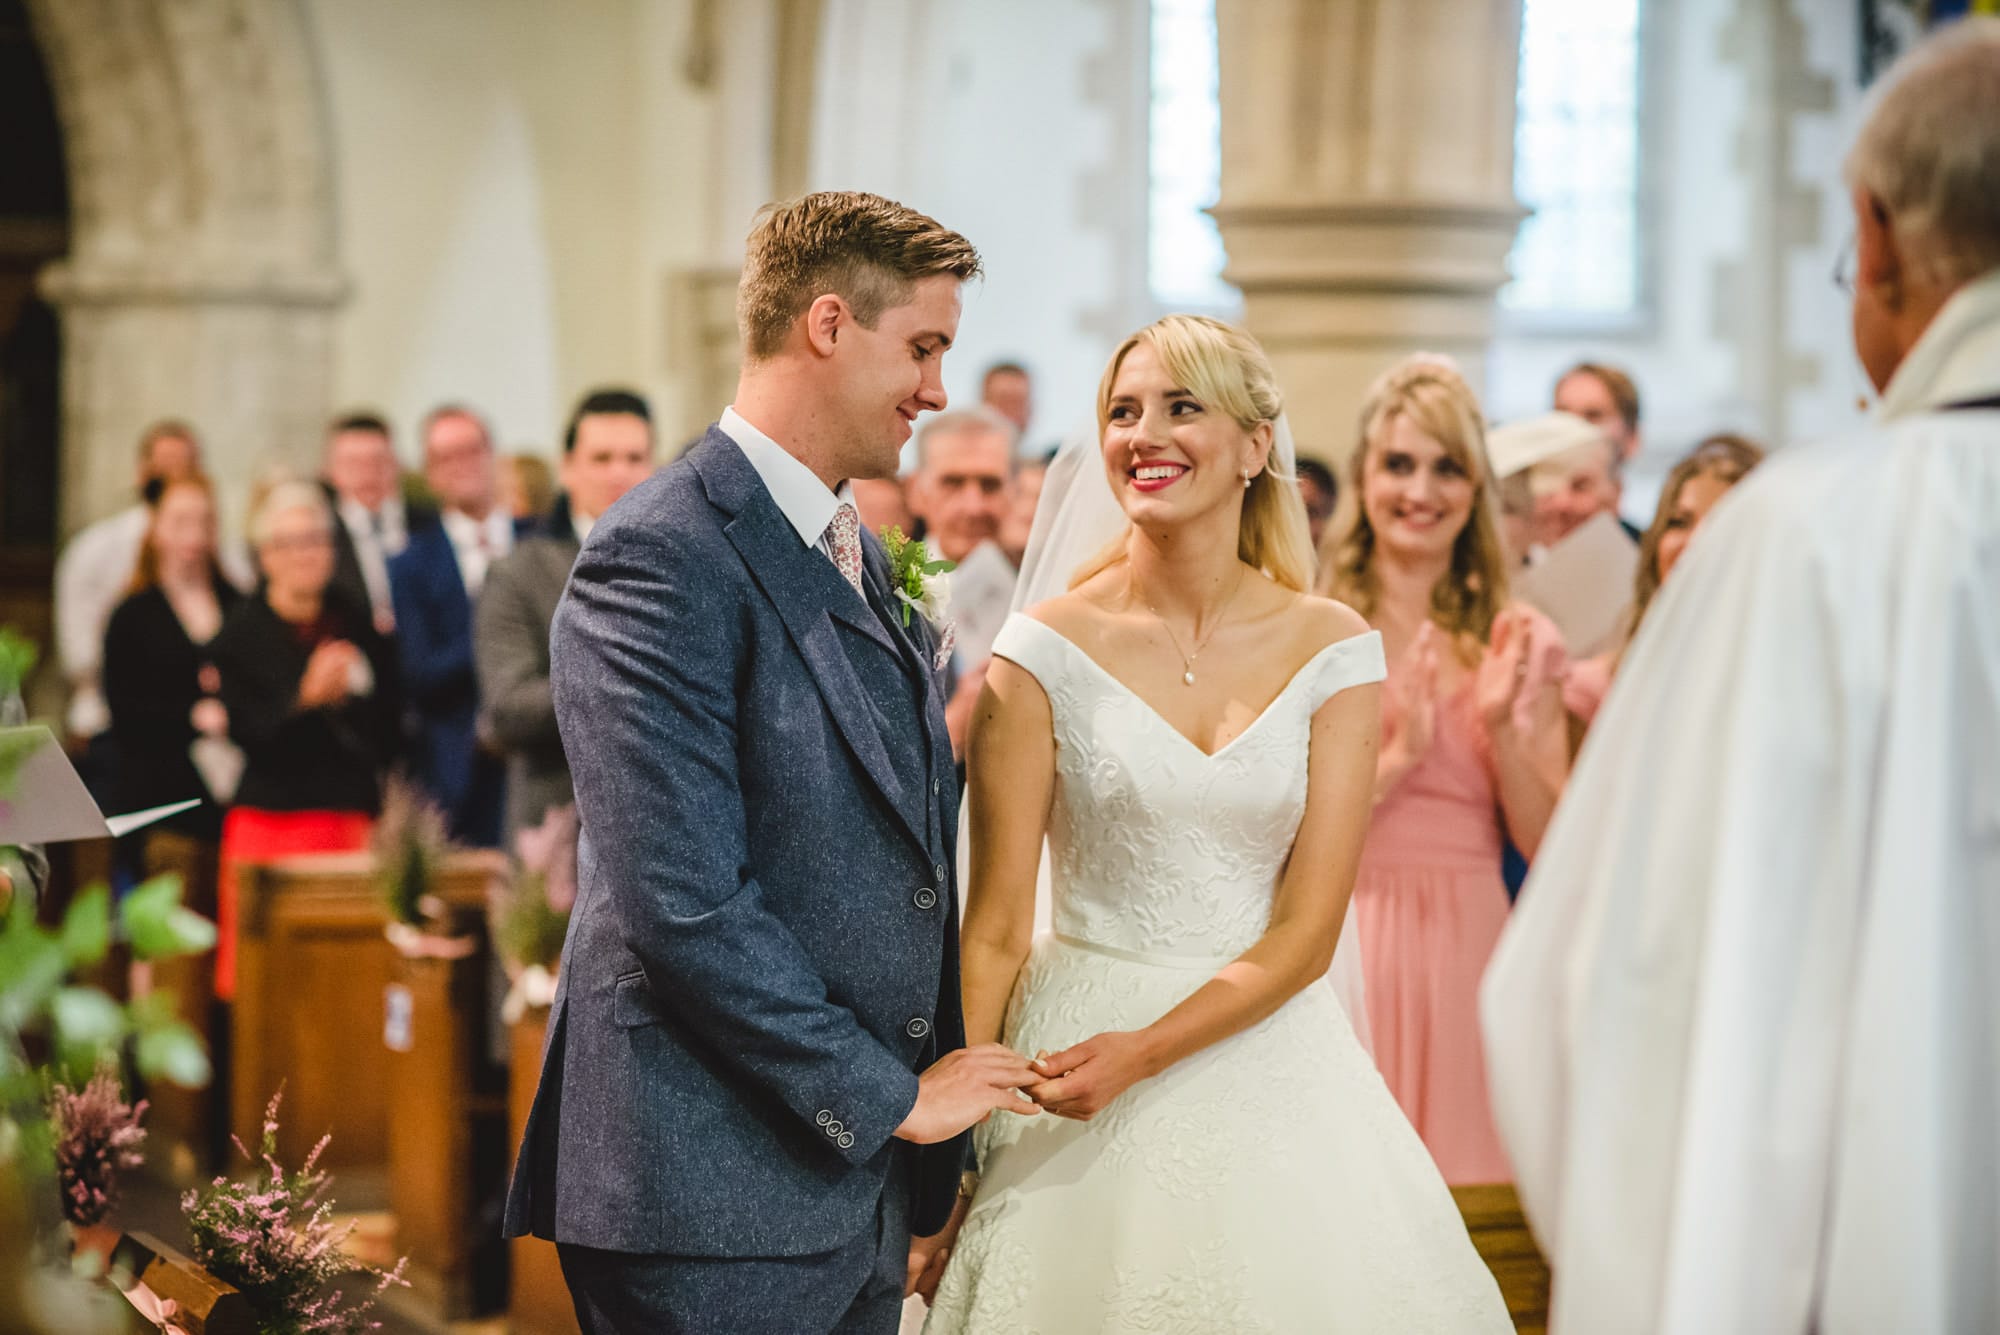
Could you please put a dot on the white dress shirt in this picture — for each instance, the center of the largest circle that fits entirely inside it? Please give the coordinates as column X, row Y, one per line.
column 801, row 496
column 478, row 543
column 91, row 578
column 373, row 547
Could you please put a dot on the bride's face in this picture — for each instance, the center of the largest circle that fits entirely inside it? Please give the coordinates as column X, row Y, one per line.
column 1168, row 455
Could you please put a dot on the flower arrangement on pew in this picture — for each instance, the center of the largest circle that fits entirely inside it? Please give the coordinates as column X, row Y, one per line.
column 97, row 1139
column 530, row 911
column 274, row 1239
column 410, row 846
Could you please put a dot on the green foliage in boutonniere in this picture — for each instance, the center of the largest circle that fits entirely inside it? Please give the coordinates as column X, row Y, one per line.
column 917, row 578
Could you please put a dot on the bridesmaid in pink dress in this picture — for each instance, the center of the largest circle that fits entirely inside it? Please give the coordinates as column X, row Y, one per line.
column 1474, row 746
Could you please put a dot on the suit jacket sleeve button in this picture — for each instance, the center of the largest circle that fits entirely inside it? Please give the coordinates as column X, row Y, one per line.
column 938, row 873
column 847, row 1140
column 918, row 1027
column 925, row 898
column 823, row 1117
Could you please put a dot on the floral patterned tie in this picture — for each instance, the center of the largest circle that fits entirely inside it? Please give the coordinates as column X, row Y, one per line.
column 844, row 537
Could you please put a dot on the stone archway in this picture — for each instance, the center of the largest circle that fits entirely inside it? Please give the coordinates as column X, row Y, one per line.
column 202, row 281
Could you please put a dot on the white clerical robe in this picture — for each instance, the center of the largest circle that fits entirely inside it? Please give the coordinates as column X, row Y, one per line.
column 1743, row 1031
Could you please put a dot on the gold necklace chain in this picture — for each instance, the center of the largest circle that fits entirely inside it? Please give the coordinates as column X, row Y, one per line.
column 1221, row 615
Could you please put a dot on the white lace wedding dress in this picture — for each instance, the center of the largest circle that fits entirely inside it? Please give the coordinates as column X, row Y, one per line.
column 1269, row 1183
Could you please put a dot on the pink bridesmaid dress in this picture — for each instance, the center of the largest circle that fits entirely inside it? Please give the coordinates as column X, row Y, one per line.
column 1428, row 907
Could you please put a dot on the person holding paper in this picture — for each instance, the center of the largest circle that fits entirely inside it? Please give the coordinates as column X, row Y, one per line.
column 1474, row 744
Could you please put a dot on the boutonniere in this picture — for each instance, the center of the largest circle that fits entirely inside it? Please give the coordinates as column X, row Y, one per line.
column 920, row 585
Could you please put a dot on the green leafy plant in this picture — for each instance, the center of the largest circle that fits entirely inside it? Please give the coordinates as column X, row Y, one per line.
column 409, row 845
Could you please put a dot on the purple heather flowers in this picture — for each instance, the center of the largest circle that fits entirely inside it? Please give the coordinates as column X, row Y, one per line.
column 274, row 1239
column 97, row 1137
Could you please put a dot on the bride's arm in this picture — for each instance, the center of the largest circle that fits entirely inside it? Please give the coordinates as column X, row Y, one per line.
column 1295, row 949
column 1011, row 769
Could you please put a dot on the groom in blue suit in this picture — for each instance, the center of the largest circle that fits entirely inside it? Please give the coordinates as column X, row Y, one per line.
column 755, row 1089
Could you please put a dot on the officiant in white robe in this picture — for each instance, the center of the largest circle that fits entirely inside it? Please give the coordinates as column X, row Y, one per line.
column 1743, row 1031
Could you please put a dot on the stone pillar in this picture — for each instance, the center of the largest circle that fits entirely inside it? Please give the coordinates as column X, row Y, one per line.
column 1367, row 200
column 248, row 362
column 202, row 279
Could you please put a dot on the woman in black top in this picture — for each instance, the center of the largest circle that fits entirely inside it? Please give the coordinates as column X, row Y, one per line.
column 160, row 683
column 312, row 697
column 162, row 687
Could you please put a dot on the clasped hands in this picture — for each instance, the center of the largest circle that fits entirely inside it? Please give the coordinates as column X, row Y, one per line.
column 963, row 1087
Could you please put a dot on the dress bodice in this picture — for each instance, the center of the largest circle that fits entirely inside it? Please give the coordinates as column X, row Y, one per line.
column 1158, row 848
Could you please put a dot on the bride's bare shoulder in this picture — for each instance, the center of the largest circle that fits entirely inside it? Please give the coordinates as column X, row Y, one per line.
column 1074, row 615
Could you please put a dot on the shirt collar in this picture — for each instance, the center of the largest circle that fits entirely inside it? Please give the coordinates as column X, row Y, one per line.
column 803, row 498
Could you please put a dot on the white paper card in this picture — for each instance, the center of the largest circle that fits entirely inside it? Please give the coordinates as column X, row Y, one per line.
column 50, row 805
column 1584, row 584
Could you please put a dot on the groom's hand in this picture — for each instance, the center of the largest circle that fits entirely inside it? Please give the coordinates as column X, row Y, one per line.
column 962, row 1087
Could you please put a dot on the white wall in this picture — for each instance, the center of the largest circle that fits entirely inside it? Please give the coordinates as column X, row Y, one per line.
column 505, row 191
column 1021, row 125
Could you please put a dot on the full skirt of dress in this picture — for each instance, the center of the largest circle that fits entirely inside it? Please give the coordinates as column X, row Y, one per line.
column 1269, row 1183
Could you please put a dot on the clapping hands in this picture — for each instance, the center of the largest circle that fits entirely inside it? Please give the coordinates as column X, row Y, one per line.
column 1519, row 684
column 1409, row 720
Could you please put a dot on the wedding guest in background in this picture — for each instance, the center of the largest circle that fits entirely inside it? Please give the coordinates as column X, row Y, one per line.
column 1019, row 523
column 171, row 731
column 1319, row 491
column 364, row 485
column 1474, row 744
column 607, row 450
column 434, row 582
column 1513, row 449
column 92, row 578
column 527, row 486
column 1697, row 482
column 882, row 503
column 1008, row 390
column 1574, row 486
column 962, row 491
column 162, row 685
column 1608, row 399
column 313, row 701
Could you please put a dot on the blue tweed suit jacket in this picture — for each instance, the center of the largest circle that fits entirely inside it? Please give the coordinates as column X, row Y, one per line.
column 763, row 952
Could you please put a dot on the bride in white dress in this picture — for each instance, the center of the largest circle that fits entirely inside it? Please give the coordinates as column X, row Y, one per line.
column 1196, row 739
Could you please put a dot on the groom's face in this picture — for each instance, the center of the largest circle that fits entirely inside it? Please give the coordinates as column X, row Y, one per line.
column 893, row 372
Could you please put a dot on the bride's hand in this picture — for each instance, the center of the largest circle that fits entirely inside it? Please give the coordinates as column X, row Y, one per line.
column 1085, row 1079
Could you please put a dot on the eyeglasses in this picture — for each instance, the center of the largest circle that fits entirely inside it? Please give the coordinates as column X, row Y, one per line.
column 297, row 542
column 1843, row 267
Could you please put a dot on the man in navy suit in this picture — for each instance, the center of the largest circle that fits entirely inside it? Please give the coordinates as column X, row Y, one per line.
column 755, row 1088
column 435, row 581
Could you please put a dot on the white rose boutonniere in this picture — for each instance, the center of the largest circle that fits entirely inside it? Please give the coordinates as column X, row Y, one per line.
column 919, row 582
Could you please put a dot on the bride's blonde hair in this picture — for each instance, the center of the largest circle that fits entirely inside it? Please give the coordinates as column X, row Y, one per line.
column 1227, row 371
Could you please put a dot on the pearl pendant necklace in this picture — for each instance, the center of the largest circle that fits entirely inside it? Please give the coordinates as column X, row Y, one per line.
column 1221, row 615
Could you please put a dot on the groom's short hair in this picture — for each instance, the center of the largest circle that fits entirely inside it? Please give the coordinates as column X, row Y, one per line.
column 867, row 250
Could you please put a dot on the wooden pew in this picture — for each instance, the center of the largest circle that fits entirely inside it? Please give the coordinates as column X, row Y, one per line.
column 538, row 1300
column 1500, row 1233
column 313, row 968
